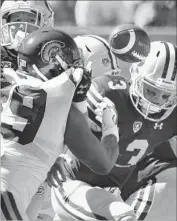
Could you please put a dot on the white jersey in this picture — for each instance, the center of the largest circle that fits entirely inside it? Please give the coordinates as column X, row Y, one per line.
column 32, row 126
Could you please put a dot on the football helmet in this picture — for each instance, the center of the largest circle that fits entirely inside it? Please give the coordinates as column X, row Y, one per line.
column 46, row 53
column 96, row 51
column 153, row 82
column 19, row 18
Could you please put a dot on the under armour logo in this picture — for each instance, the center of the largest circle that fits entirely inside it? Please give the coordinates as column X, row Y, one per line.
column 137, row 126
column 82, row 89
column 158, row 126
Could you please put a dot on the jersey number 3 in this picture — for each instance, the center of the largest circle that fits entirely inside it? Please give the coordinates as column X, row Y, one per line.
column 118, row 85
column 140, row 145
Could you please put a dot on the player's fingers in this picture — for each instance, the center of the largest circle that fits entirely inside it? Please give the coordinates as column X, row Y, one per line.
column 77, row 75
column 108, row 102
column 57, row 178
column 109, row 115
column 50, row 179
column 99, row 112
column 98, row 118
column 60, row 165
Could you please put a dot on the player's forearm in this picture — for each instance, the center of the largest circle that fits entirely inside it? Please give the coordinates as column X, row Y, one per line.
column 86, row 147
column 111, row 149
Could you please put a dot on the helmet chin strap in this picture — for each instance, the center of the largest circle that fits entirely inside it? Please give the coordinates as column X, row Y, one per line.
column 39, row 73
column 60, row 61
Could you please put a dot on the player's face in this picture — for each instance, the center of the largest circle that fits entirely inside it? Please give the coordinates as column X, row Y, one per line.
column 23, row 17
column 18, row 26
column 155, row 95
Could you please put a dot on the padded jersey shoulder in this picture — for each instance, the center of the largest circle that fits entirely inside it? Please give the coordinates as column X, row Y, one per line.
column 107, row 83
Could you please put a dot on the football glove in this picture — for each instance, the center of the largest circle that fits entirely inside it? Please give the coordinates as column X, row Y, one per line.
column 107, row 115
column 83, row 86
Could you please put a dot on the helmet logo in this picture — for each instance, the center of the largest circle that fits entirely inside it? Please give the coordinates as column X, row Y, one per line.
column 106, row 62
column 50, row 49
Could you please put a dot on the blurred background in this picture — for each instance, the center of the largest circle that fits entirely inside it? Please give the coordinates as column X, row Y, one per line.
column 158, row 18
column 110, row 13
column 78, row 17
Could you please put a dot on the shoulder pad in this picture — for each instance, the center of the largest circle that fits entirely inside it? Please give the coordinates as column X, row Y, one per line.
column 37, row 95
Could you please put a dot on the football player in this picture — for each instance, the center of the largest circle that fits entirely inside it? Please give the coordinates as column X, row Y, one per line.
column 18, row 19
column 96, row 50
column 32, row 110
column 144, row 175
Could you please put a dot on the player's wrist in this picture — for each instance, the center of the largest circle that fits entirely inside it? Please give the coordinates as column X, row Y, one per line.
column 114, row 130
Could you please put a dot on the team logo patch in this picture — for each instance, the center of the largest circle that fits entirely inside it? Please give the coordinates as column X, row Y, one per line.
column 40, row 191
column 106, row 62
column 50, row 49
column 137, row 126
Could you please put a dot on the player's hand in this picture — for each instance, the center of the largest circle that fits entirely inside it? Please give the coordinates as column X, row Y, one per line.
column 60, row 171
column 108, row 116
column 84, row 85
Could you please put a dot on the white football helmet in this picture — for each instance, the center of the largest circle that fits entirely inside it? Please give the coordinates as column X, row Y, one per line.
column 13, row 32
column 154, row 81
column 96, row 51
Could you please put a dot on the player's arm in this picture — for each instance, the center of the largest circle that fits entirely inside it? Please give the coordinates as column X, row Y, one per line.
column 98, row 156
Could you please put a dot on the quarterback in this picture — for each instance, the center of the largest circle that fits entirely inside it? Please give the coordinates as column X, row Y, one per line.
column 32, row 110
column 144, row 174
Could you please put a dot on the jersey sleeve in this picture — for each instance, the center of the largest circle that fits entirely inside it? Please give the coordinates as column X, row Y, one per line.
column 86, row 147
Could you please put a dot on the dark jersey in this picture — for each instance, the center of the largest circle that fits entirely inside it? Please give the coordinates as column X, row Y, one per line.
column 138, row 136
column 8, row 60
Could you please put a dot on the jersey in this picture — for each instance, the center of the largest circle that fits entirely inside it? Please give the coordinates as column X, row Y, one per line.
column 33, row 124
column 30, row 112
column 8, row 60
column 138, row 136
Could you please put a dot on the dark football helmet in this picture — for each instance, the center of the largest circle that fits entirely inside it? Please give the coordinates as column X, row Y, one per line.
column 46, row 53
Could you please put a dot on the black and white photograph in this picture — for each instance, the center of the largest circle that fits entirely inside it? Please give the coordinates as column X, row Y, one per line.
column 88, row 110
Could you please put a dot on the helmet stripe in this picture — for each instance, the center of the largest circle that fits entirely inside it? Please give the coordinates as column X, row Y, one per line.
column 114, row 62
column 171, row 62
column 164, row 74
column 175, row 65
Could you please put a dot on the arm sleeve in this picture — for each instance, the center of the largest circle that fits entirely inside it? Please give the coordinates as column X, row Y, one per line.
column 98, row 156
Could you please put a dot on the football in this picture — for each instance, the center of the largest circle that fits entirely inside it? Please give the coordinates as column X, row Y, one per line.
column 130, row 43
